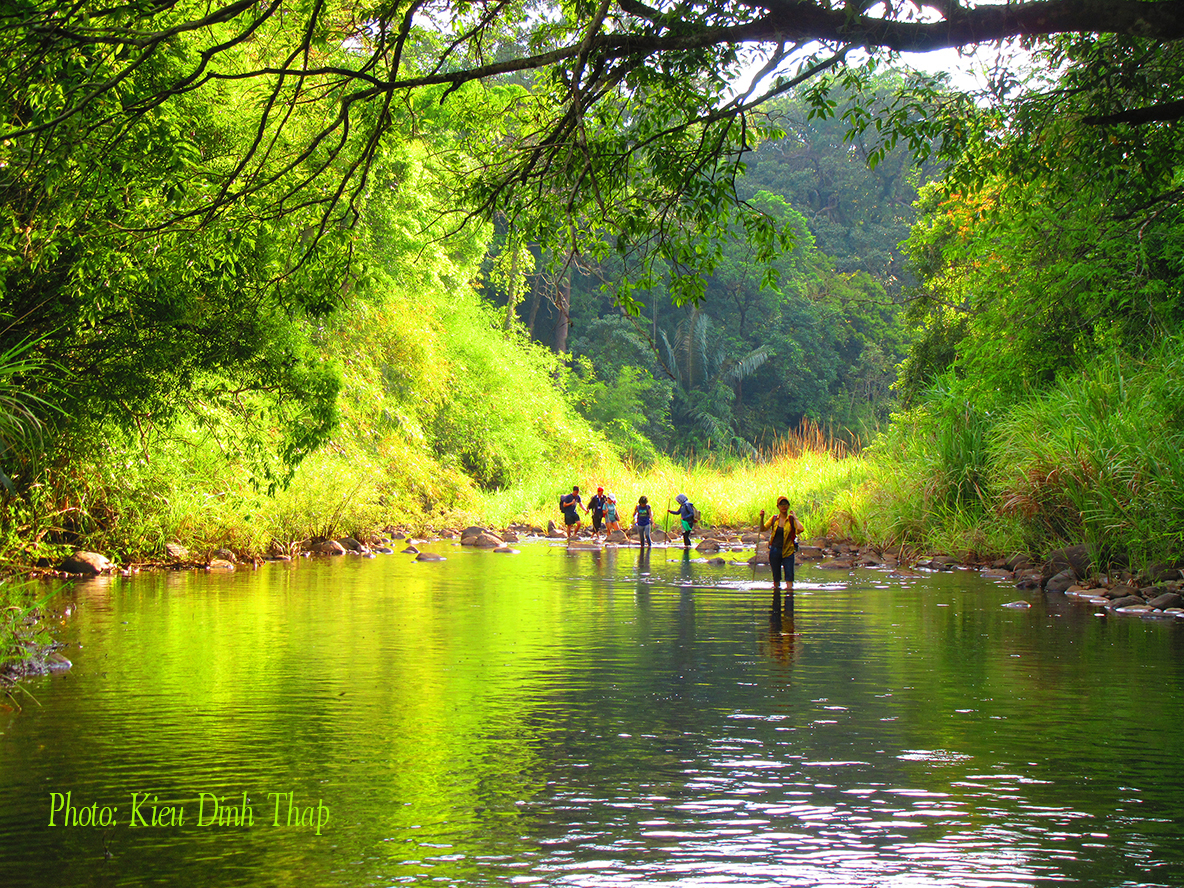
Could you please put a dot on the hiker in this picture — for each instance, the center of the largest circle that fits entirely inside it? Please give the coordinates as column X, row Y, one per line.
column 612, row 521
column 782, row 542
column 686, row 513
column 643, row 517
column 570, row 504
column 596, row 505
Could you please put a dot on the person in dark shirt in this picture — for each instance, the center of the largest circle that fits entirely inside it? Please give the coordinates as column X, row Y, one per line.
column 571, row 504
column 596, row 505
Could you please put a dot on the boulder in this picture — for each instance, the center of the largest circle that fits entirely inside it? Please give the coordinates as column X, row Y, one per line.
column 811, row 553
column 220, row 564
column 411, row 550
column 1028, row 579
column 1167, row 600
column 1126, row 601
column 551, row 528
column 509, row 536
column 224, row 555
column 994, row 573
column 1017, row 562
column 398, row 535
column 1073, row 558
column 176, row 551
column 326, row 547
column 1155, row 574
column 86, row 563
column 1120, row 591
column 1061, row 581
column 351, row 544
column 472, row 531
column 484, row 541
column 429, row 556
column 556, row 535
column 837, row 564
column 617, row 536
column 658, row 535
column 708, row 545
column 717, row 561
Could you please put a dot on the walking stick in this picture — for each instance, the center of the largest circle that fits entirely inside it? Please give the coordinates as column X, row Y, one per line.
column 667, row 530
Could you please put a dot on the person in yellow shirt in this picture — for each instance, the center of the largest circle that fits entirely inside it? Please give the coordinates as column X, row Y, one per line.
column 785, row 529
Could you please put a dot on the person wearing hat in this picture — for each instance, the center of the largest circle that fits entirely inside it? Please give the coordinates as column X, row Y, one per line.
column 785, row 528
column 686, row 514
column 596, row 506
column 612, row 521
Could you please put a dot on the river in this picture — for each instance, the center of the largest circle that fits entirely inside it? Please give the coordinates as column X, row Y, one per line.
column 592, row 719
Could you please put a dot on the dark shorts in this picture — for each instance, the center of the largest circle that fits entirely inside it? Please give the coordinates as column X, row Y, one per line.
column 572, row 517
column 597, row 519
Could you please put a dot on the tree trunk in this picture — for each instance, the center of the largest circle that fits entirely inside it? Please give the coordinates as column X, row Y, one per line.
column 534, row 306
column 512, row 297
column 563, row 303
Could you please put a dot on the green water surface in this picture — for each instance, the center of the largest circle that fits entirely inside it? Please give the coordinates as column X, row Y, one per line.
column 593, row 718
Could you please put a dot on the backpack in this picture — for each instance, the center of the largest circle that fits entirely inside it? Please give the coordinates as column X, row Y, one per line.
column 690, row 508
column 562, row 497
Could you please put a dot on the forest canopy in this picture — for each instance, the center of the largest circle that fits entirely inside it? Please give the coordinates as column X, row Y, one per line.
column 707, row 200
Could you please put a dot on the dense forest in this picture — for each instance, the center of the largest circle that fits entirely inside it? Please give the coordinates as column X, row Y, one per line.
column 283, row 269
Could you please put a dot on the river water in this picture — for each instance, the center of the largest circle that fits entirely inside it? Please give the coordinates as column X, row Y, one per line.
column 592, row 719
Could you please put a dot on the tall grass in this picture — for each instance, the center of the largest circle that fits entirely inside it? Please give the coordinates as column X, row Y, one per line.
column 810, row 469
column 1097, row 458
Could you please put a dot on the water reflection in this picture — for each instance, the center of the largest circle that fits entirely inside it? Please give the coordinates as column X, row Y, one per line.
column 492, row 719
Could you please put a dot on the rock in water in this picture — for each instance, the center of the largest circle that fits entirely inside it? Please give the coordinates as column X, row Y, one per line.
column 429, row 556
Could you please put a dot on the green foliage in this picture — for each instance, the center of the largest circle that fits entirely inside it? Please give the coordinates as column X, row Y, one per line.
column 622, row 405
column 1099, row 458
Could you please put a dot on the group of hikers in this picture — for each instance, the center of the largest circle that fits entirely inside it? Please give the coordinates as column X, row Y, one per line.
column 784, row 527
column 603, row 509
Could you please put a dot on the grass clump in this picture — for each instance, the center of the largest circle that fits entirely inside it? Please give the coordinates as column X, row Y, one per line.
column 1096, row 458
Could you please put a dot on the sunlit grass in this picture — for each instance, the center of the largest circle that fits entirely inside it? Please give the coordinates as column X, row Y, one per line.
column 812, row 472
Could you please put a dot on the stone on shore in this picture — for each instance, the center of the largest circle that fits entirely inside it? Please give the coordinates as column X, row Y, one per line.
column 837, row 564
column 176, row 551
column 220, row 564
column 86, row 563
column 1072, row 558
column 1167, row 600
column 1061, row 581
column 323, row 546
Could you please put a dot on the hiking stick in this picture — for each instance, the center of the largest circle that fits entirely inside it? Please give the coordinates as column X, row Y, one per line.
column 667, row 530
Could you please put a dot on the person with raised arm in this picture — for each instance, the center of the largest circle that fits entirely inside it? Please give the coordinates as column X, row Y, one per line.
column 785, row 528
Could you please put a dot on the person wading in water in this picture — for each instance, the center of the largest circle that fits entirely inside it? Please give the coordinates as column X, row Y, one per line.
column 571, row 503
column 782, row 543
